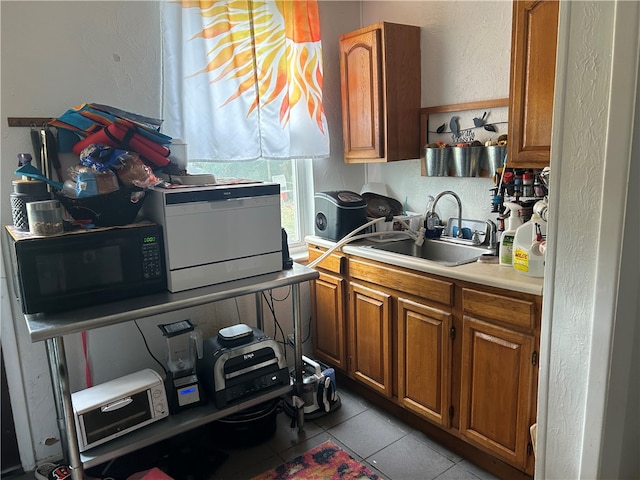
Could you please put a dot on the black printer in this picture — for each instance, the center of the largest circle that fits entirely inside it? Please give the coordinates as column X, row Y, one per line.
column 241, row 362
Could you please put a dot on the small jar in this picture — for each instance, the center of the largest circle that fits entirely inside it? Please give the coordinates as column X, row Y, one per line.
column 45, row 218
column 25, row 191
column 527, row 178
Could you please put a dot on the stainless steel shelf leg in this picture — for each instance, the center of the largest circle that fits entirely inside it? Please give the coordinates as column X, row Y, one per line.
column 259, row 312
column 297, row 338
column 62, row 393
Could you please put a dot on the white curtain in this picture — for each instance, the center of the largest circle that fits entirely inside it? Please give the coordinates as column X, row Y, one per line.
column 242, row 80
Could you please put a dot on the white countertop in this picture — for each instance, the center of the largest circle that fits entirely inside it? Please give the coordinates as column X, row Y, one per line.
column 493, row 275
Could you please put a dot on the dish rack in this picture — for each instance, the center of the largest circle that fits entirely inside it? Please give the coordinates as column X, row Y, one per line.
column 413, row 219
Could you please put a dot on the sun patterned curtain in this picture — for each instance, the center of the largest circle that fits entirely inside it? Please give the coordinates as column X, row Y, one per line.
column 243, row 79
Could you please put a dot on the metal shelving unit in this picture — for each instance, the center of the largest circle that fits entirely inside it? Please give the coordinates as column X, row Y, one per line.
column 52, row 328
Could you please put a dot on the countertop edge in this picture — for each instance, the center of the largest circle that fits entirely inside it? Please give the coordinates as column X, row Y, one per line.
column 492, row 275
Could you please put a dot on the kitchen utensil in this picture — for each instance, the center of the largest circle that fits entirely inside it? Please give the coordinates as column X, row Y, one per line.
column 28, row 170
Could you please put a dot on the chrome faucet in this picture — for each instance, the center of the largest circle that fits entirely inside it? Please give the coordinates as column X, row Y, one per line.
column 493, row 232
column 449, row 192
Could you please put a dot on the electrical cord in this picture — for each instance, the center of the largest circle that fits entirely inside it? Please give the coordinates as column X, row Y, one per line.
column 275, row 320
column 281, row 299
column 148, row 349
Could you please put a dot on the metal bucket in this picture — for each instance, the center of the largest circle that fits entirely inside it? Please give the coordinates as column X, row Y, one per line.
column 467, row 161
column 436, row 161
column 494, row 158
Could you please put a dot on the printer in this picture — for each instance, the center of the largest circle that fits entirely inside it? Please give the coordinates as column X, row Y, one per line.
column 217, row 233
column 241, row 362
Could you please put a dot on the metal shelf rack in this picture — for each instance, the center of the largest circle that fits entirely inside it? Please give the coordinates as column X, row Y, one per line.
column 52, row 328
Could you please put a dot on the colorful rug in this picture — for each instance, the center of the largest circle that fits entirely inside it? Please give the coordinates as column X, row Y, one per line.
column 325, row 462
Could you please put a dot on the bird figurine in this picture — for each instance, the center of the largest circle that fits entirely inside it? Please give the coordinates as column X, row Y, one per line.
column 478, row 122
column 453, row 124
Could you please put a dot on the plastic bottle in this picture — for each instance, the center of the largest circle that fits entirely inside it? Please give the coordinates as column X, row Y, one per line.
column 506, row 241
column 528, row 258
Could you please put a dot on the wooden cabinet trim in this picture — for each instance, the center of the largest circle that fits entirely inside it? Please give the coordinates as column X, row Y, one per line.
column 507, row 309
column 406, row 281
column 334, row 262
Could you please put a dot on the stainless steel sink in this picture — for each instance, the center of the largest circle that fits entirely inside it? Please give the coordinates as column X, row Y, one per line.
column 439, row 251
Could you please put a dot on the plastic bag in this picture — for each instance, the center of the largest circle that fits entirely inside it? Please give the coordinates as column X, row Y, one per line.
column 88, row 181
column 131, row 170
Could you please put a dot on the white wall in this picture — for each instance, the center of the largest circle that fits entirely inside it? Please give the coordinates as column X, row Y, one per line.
column 590, row 316
column 465, row 49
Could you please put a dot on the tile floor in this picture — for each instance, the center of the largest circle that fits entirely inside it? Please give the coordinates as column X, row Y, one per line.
column 389, row 447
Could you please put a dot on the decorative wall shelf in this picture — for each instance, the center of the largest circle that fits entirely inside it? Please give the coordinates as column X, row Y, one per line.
column 463, row 123
column 490, row 112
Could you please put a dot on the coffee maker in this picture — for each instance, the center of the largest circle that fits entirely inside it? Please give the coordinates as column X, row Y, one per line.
column 184, row 344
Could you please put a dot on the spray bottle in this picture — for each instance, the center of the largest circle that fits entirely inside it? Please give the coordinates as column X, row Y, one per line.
column 529, row 246
column 506, row 241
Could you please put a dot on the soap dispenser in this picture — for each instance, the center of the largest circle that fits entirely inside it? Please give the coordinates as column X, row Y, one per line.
column 506, row 241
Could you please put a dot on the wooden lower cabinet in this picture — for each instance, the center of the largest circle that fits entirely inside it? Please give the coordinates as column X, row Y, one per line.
column 461, row 356
column 424, row 360
column 498, row 366
column 329, row 325
column 370, row 338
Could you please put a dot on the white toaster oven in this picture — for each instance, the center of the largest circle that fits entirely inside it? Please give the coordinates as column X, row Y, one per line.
column 117, row 407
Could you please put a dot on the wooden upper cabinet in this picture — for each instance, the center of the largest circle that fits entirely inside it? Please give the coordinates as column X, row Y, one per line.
column 533, row 67
column 380, row 80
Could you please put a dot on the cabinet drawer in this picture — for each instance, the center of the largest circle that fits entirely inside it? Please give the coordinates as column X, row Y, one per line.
column 510, row 310
column 412, row 283
column 333, row 263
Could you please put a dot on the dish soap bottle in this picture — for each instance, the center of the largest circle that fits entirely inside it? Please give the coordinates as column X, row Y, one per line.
column 506, row 241
column 528, row 258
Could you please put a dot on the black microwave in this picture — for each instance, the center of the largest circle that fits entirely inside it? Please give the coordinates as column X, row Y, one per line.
column 87, row 267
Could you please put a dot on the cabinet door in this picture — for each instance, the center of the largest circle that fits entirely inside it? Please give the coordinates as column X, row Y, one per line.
column 329, row 327
column 362, row 108
column 533, row 67
column 424, row 360
column 370, row 338
column 496, row 392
